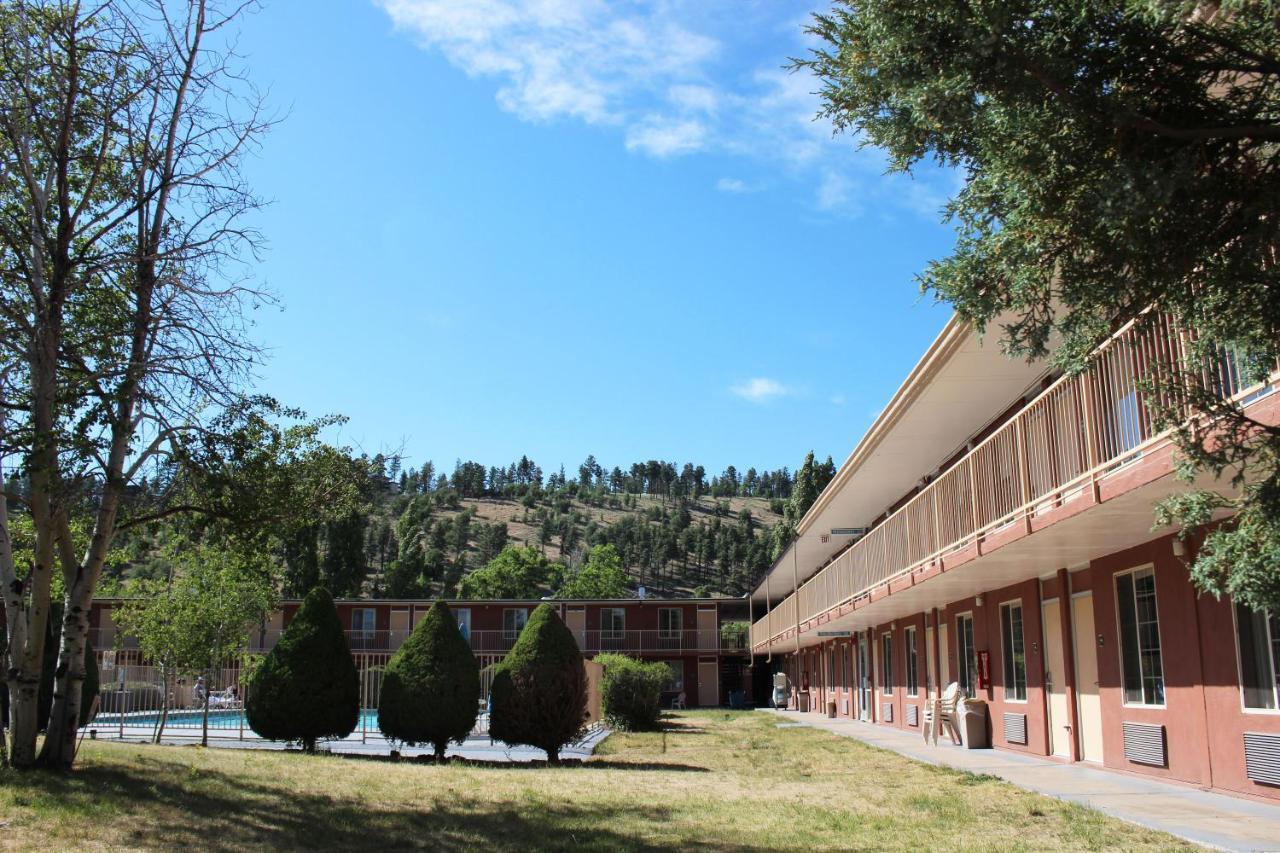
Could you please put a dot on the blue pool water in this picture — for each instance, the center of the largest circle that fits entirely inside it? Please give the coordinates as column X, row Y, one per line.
column 221, row 719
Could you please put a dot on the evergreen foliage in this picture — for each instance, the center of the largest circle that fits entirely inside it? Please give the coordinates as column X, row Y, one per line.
column 632, row 691
column 516, row 573
column 600, row 576
column 431, row 688
column 539, row 691
column 307, row 688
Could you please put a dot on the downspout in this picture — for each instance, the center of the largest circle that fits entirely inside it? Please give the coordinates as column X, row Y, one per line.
column 1066, row 616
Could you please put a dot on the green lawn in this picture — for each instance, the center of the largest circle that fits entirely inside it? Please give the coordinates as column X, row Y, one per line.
column 730, row 781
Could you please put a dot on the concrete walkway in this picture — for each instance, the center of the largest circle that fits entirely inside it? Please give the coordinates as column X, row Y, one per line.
column 1203, row 817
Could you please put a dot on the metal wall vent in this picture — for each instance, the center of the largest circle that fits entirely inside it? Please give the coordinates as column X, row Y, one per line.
column 913, row 715
column 1262, row 758
column 1015, row 728
column 886, row 712
column 846, row 707
column 1144, row 743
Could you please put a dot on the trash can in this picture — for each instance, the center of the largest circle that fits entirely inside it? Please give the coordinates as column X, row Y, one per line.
column 973, row 724
column 802, row 700
column 831, row 709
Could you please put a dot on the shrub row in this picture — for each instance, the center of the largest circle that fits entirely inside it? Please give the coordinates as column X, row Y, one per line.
column 307, row 689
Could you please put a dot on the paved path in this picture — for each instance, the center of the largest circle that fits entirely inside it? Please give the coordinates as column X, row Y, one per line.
column 1204, row 817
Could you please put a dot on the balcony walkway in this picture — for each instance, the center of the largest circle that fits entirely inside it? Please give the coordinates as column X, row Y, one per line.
column 1203, row 817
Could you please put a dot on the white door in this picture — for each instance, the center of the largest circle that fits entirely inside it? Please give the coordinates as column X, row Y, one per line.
column 1088, row 702
column 864, row 679
column 708, row 629
column 944, row 659
column 1055, row 679
column 708, row 683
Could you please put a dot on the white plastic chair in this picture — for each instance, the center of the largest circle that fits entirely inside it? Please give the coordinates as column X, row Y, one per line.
column 679, row 703
column 942, row 713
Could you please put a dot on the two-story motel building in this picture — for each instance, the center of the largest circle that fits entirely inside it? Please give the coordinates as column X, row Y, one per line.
column 708, row 665
column 994, row 527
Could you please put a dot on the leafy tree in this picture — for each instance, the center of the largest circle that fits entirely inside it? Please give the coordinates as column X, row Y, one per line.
column 631, row 691
column 1116, row 157
column 123, row 323
column 514, row 574
column 600, row 576
column 431, row 687
column 539, row 691
column 200, row 620
column 307, row 688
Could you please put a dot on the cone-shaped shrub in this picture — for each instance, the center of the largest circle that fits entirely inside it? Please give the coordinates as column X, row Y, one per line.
column 539, row 692
column 431, row 687
column 307, row 688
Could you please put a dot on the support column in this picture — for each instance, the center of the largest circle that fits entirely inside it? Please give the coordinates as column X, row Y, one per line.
column 1067, row 617
column 937, row 650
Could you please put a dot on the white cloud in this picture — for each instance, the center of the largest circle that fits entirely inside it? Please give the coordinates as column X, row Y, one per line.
column 672, row 80
column 732, row 185
column 760, row 390
column 662, row 136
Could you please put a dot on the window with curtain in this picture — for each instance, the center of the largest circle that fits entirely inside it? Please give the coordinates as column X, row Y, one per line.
column 1140, row 660
column 1013, row 652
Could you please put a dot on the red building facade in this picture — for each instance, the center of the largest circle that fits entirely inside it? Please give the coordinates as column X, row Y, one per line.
column 1024, row 566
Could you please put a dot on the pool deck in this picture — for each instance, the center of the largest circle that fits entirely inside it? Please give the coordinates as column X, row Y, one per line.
column 475, row 748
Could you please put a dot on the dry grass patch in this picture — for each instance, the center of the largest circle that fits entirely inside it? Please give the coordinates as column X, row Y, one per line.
column 712, row 780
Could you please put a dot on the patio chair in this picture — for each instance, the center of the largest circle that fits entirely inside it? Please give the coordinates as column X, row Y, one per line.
column 942, row 713
column 679, row 703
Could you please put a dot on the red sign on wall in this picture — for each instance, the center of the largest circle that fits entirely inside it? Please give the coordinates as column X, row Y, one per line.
column 984, row 670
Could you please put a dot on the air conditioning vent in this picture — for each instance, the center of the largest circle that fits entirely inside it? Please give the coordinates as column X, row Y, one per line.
column 846, row 708
column 1262, row 758
column 1144, row 744
column 886, row 712
column 913, row 715
column 1015, row 728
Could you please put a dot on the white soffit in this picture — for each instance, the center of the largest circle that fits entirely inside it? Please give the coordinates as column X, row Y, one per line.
column 961, row 385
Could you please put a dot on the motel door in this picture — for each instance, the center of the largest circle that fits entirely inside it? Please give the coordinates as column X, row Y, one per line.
column 708, row 630
column 1088, row 703
column 1055, row 678
column 864, row 679
column 576, row 619
column 399, row 626
column 708, row 683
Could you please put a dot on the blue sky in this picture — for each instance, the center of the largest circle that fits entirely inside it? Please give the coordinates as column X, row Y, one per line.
column 559, row 228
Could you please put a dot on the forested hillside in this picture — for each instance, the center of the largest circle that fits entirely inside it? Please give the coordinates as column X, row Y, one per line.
column 675, row 530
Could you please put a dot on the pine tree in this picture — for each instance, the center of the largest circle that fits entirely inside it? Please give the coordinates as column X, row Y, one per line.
column 307, row 688
column 539, row 690
column 431, row 687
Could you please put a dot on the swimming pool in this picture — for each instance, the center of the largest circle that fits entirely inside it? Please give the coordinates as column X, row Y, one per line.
column 222, row 719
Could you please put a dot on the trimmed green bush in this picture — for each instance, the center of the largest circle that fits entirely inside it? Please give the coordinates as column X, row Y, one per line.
column 539, row 691
column 632, row 691
column 307, row 688
column 431, row 687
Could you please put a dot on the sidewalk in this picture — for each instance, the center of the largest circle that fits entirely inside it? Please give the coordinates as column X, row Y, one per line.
column 1203, row 817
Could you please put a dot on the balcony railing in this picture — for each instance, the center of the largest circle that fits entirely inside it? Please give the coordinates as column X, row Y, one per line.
column 1077, row 430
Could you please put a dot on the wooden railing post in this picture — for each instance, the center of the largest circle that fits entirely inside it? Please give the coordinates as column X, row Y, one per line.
column 1024, row 478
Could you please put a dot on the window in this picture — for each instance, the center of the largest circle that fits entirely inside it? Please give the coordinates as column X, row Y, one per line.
column 513, row 620
column 612, row 622
column 1258, row 633
column 913, row 665
column 844, row 668
column 1013, row 652
column 886, row 664
column 363, row 623
column 670, row 622
column 966, row 655
column 1140, row 661
column 463, row 617
column 676, row 684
